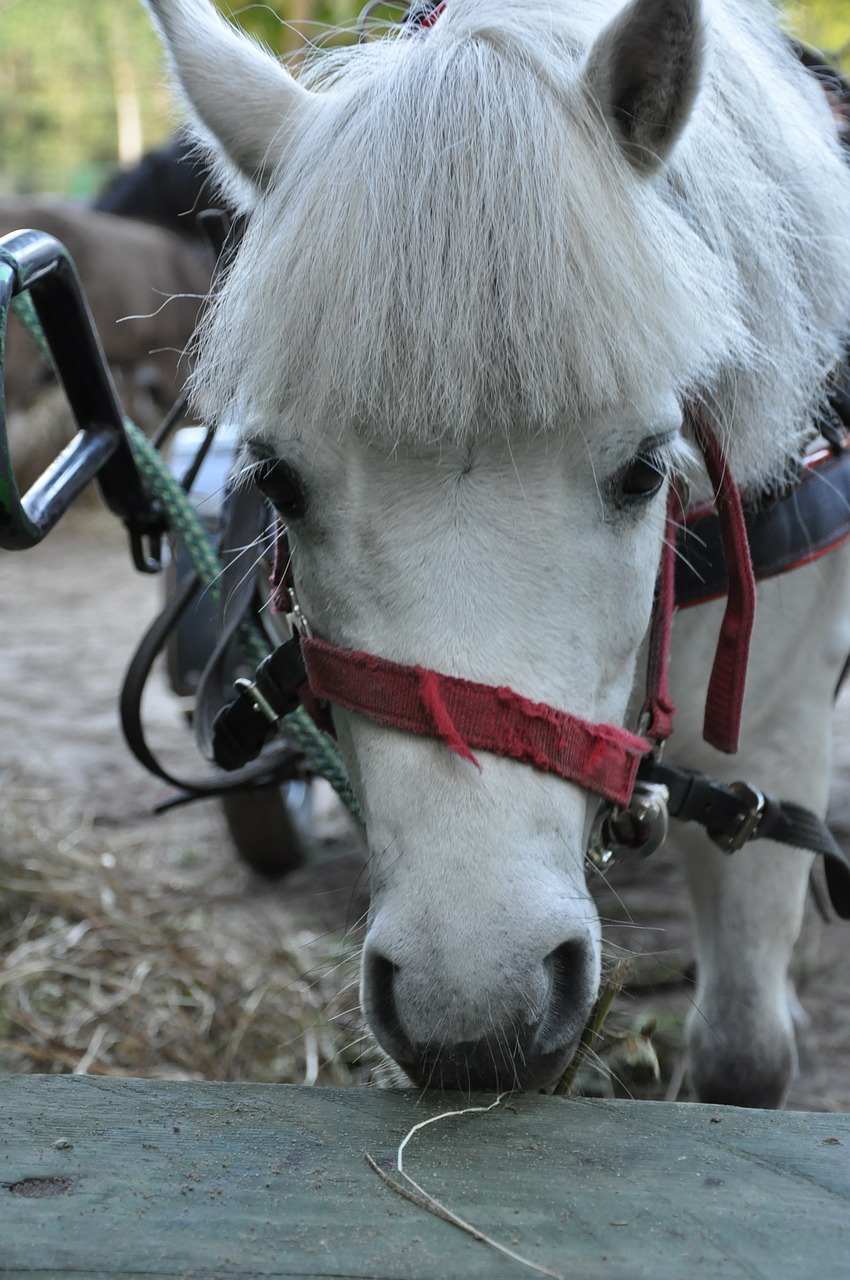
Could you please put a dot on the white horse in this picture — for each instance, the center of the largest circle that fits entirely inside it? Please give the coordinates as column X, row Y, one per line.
column 488, row 264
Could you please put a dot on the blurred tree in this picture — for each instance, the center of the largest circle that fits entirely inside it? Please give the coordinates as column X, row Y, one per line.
column 70, row 104
column 825, row 24
column 82, row 86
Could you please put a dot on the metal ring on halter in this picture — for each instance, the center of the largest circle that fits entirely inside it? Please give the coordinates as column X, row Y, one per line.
column 635, row 832
column 748, row 822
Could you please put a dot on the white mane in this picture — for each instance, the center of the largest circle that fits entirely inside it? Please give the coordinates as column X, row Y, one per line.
column 457, row 240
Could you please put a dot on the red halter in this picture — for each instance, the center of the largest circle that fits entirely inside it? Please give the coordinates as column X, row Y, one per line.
column 466, row 715
column 603, row 759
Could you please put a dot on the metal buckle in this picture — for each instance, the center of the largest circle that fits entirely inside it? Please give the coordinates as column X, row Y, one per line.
column 631, row 833
column 260, row 701
column 748, row 820
column 298, row 624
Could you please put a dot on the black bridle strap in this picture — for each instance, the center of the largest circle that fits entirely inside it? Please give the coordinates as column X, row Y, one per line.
column 278, row 764
column 729, row 814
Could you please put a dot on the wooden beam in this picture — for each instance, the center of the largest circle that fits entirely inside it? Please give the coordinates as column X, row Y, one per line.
column 104, row 1178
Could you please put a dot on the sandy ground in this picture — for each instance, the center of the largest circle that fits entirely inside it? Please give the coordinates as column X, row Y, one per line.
column 70, row 613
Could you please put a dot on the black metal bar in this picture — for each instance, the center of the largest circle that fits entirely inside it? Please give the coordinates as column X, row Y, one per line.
column 34, row 261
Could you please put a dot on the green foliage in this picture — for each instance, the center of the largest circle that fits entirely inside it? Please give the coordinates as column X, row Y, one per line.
column 825, row 24
column 82, row 83
column 285, row 25
column 67, row 67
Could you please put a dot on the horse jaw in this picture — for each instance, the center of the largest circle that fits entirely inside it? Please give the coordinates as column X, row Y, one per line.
column 241, row 95
column 644, row 70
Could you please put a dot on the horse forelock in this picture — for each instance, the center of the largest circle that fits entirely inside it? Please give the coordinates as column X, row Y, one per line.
column 456, row 243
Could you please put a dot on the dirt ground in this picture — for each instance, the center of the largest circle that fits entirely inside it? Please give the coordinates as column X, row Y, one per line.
column 70, row 613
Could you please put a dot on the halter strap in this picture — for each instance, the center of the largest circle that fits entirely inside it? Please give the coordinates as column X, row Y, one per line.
column 658, row 709
column 724, row 703
column 466, row 715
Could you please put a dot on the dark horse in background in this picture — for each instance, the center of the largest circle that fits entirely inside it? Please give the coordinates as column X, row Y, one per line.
column 169, row 187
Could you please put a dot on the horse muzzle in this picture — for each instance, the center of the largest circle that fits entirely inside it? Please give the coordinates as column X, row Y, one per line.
column 517, row 1031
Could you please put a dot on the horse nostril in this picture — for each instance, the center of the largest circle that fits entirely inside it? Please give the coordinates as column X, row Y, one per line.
column 380, row 1006
column 572, row 975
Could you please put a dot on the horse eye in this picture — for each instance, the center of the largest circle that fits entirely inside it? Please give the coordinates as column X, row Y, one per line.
column 642, row 478
column 283, row 488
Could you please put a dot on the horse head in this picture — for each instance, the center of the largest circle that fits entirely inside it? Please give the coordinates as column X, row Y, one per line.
column 457, row 339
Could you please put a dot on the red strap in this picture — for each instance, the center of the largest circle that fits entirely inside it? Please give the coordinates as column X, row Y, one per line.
column 466, row 715
column 658, row 709
column 722, row 725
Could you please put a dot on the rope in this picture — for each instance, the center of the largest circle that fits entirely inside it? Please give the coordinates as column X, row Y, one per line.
column 24, row 308
column 320, row 751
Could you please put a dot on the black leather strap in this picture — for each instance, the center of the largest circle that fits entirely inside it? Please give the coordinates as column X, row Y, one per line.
column 244, row 522
column 278, row 764
column 728, row 810
column 243, row 726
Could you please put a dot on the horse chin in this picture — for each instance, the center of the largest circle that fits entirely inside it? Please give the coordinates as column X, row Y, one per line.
column 483, row 1066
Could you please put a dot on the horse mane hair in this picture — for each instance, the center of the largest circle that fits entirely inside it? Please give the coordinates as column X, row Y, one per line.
column 457, row 244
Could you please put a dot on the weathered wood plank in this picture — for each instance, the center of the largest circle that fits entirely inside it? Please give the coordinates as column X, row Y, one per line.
column 201, row 1181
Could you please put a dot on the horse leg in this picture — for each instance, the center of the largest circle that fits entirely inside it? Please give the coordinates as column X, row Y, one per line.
column 748, row 911
column 748, row 906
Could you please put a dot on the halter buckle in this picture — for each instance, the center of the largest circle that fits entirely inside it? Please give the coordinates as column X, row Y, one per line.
column 631, row 833
column 296, row 619
column 252, row 691
column 747, row 822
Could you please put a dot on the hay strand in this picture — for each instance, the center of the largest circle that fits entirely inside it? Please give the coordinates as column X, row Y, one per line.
column 417, row 1194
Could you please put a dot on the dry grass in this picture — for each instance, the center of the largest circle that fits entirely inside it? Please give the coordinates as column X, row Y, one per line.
column 101, row 975
column 108, row 969
column 107, row 973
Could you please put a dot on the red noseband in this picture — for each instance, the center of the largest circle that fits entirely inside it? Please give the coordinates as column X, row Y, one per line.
column 467, row 716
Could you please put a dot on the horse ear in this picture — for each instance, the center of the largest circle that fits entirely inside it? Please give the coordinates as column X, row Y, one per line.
column 644, row 70
column 239, row 92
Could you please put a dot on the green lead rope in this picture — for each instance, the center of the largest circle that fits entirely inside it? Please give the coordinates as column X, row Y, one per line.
column 320, row 751
column 24, row 308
